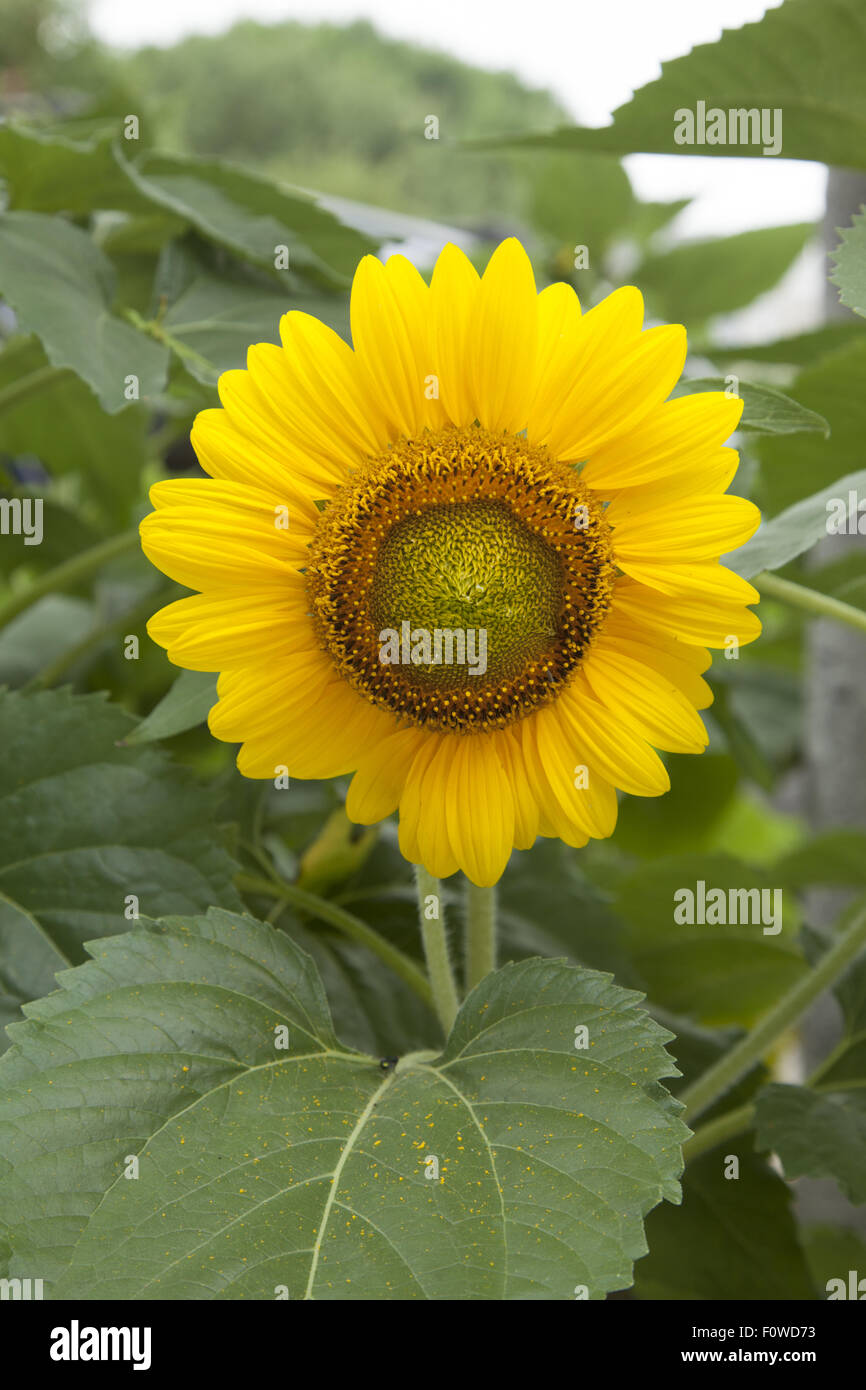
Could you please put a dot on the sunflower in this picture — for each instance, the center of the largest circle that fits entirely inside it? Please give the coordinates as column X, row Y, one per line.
column 473, row 561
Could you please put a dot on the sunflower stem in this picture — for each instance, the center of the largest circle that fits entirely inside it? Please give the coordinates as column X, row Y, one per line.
column 346, row 922
column 723, row 1127
column 728, row 1070
column 436, row 947
column 29, row 385
column 51, row 674
column 800, row 596
column 480, row 933
column 71, row 572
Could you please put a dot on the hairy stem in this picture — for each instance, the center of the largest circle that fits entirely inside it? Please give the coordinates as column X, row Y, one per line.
column 346, row 922
column 714, row 1132
column 30, row 385
column 800, row 596
column 436, row 947
column 71, row 572
column 480, row 933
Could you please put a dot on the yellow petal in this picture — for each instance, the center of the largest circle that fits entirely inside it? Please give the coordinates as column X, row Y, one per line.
column 693, row 529
column 612, row 398
column 622, row 757
column 526, row 818
column 207, row 633
column 378, row 784
column 671, row 438
column 645, row 700
column 558, row 326
column 591, row 809
column 710, row 476
column 587, row 349
column 678, row 662
column 221, row 549
column 479, row 808
column 706, row 581
column 226, row 453
column 266, row 508
column 391, row 330
column 423, row 831
column 325, row 733
column 503, row 336
column 324, row 393
column 703, row 617
column 257, row 418
column 254, row 700
column 453, row 291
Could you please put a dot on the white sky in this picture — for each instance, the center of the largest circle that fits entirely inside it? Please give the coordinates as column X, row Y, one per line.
column 591, row 55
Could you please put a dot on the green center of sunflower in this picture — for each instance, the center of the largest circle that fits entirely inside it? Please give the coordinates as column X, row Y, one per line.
column 471, row 567
column 458, row 580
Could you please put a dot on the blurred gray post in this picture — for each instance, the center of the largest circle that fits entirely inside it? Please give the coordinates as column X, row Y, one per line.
column 835, row 740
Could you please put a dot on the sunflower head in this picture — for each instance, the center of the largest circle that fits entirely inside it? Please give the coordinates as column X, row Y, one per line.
column 468, row 533
column 473, row 560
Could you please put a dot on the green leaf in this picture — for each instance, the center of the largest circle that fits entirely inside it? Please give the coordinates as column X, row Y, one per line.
column 793, row 532
column 831, row 1251
column 63, row 425
column 796, row 468
column 649, row 218
column 800, row 350
column 61, row 285
column 303, row 1168
column 50, row 173
column 850, row 258
column 836, row 857
column 686, row 818
column 40, row 634
column 28, row 962
column 186, row 705
column 765, row 410
column 378, row 1013
column 842, row 578
column 732, row 1238
column 744, row 748
column 84, row 825
column 700, row 278
column 252, row 216
column 64, row 532
column 583, row 201
column 758, row 66
column 220, row 319
column 547, row 906
column 815, row 1135
column 715, row 972
column 761, row 715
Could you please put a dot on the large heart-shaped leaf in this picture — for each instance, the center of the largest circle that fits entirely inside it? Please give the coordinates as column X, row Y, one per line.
column 272, row 1161
column 760, row 67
